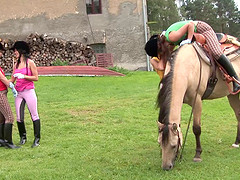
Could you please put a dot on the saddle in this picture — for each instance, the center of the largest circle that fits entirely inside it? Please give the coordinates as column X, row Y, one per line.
column 230, row 47
column 229, row 44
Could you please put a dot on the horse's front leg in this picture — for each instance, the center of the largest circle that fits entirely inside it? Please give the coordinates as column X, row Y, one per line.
column 197, row 128
column 235, row 104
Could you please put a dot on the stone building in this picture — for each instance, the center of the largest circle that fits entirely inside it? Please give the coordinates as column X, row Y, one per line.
column 109, row 26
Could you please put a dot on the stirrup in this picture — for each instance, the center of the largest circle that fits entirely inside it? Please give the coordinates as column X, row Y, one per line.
column 235, row 81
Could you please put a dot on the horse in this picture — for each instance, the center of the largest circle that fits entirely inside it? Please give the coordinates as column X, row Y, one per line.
column 185, row 81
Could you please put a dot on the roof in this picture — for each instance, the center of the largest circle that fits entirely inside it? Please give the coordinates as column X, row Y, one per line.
column 75, row 71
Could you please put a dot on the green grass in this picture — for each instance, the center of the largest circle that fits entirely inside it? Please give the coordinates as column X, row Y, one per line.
column 105, row 128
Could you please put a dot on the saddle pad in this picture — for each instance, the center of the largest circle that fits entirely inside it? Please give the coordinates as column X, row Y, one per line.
column 233, row 56
column 201, row 52
column 229, row 48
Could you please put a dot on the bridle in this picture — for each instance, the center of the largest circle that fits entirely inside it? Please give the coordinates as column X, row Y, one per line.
column 178, row 145
column 178, row 135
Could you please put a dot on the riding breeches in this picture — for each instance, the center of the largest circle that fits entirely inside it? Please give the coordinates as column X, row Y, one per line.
column 211, row 38
column 6, row 115
column 27, row 96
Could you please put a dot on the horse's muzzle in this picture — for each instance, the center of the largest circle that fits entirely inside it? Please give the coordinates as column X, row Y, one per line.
column 167, row 167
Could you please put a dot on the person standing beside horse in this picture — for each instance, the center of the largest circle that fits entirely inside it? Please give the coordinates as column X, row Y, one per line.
column 158, row 66
column 6, row 115
column 158, row 61
column 181, row 33
column 25, row 72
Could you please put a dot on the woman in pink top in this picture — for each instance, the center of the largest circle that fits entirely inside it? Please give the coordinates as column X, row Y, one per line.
column 25, row 72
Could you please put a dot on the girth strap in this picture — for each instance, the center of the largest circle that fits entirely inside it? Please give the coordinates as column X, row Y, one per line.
column 212, row 81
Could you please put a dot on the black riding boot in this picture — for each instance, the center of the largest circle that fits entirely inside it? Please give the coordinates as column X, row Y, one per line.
column 22, row 133
column 2, row 143
column 36, row 128
column 226, row 64
column 8, row 137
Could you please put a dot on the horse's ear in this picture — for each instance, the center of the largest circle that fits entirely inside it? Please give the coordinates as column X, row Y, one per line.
column 160, row 125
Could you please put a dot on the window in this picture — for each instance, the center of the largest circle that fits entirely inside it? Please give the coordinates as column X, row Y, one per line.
column 99, row 48
column 94, row 6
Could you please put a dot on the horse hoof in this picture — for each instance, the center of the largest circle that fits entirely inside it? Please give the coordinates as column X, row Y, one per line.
column 197, row 159
column 235, row 145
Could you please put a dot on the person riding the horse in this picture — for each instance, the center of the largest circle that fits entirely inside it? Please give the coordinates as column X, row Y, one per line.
column 181, row 33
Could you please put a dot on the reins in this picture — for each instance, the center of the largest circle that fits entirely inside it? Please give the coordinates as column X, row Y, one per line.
column 194, row 102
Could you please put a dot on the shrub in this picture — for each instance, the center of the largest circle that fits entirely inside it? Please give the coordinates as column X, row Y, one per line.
column 59, row 62
column 119, row 69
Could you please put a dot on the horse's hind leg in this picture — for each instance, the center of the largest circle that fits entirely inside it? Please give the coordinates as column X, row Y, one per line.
column 197, row 128
column 235, row 104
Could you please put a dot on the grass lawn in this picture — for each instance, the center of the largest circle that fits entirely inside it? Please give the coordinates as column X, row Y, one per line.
column 105, row 128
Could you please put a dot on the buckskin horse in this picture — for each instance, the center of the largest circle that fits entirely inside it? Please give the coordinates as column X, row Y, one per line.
column 185, row 81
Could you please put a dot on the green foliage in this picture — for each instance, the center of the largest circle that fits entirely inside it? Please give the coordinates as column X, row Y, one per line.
column 222, row 15
column 105, row 128
column 59, row 62
column 161, row 14
column 80, row 64
column 229, row 17
column 200, row 10
column 119, row 69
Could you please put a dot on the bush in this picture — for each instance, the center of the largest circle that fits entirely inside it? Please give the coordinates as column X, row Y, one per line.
column 59, row 62
column 119, row 69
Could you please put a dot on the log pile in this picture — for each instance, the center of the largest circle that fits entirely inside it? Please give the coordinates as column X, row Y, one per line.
column 49, row 51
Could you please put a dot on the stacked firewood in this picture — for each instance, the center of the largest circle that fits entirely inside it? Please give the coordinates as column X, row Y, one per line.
column 49, row 51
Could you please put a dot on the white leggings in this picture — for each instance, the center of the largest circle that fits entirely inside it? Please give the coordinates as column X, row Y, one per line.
column 26, row 96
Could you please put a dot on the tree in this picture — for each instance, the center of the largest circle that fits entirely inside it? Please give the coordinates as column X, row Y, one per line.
column 228, row 17
column 161, row 14
column 200, row 10
column 222, row 15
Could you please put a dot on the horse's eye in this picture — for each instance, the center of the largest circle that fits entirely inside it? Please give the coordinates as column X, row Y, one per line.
column 173, row 147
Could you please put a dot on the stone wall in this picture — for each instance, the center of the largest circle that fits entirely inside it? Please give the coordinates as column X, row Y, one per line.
column 49, row 51
column 120, row 26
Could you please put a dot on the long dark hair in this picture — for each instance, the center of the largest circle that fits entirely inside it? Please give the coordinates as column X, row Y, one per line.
column 25, row 57
column 164, row 48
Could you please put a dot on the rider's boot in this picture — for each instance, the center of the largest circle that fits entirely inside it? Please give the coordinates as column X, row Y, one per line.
column 2, row 142
column 22, row 133
column 8, row 137
column 226, row 64
column 36, row 128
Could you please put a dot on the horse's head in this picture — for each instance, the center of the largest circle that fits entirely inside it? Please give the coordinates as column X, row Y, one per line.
column 170, row 140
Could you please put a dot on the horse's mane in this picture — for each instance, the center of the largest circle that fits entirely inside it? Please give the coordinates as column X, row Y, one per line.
column 164, row 97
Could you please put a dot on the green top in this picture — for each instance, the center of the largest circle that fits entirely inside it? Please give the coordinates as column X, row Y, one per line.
column 176, row 26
